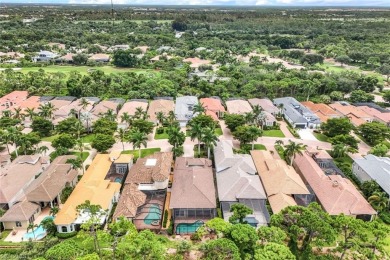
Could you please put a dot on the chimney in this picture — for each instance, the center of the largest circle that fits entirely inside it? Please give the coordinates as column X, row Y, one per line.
column 335, row 184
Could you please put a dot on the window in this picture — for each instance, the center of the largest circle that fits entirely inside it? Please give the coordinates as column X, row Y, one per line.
column 64, row 229
column 18, row 223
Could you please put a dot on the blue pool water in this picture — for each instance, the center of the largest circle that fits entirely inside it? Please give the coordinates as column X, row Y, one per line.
column 186, row 228
column 153, row 215
column 38, row 233
column 119, row 180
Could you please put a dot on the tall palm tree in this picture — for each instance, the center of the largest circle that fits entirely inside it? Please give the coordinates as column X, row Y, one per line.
column 249, row 118
column 139, row 113
column 30, row 113
column 14, row 135
column 54, row 211
column 379, row 201
column 138, row 139
column 32, row 227
column 121, row 135
column 126, row 118
column 175, row 136
column 341, row 150
column 80, row 147
column 292, row 149
column 209, row 138
column 257, row 110
column 254, row 132
column 73, row 112
column 6, row 113
column 198, row 108
column 84, row 103
column 78, row 128
column 18, row 113
column 87, row 118
column 110, row 115
column 196, row 131
column 24, row 144
column 6, row 139
column 47, row 110
column 160, row 117
column 171, row 117
column 43, row 149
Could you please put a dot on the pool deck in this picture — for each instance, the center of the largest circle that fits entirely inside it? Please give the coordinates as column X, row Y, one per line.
column 166, row 207
column 18, row 237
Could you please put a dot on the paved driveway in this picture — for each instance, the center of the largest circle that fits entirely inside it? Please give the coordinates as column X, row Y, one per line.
column 306, row 134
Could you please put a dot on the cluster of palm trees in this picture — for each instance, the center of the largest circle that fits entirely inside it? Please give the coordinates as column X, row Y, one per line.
column 291, row 150
column 134, row 136
column 256, row 117
column 205, row 135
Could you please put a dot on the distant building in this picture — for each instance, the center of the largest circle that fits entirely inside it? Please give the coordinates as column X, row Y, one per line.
column 13, row 99
column 297, row 114
column 323, row 111
column 130, row 107
column 184, row 109
column 193, row 196
column 100, row 57
column 355, row 114
column 44, row 56
column 375, row 168
column 238, row 106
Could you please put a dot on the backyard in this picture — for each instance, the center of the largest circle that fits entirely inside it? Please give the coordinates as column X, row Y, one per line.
column 273, row 133
column 144, row 152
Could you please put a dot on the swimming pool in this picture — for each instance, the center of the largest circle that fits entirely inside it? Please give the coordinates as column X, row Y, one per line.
column 119, row 180
column 153, row 215
column 38, row 233
column 188, row 228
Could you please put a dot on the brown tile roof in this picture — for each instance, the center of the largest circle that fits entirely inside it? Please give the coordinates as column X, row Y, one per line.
column 383, row 117
column 103, row 107
column 280, row 201
column 356, row 115
column 212, row 106
column 130, row 107
column 238, row 106
column 323, row 111
column 160, row 105
column 58, row 103
column 21, row 211
column 131, row 198
column 152, row 168
column 17, row 176
column 12, row 99
column 92, row 187
column 277, row 178
column 196, row 62
column 52, row 181
column 265, row 104
column 31, row 102
column 336, row 194
column 193, row 186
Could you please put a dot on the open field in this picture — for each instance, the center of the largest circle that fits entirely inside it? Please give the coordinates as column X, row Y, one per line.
column 85, row 69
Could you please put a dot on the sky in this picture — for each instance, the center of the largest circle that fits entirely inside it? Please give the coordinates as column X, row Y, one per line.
column 218, row 2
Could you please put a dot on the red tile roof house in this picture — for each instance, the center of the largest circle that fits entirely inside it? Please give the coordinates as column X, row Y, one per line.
column 334, row 193
column 378, row 115
column 355, row 114
column 12, row 99
column 213, row 107
column 193, row 197
column 36, row 192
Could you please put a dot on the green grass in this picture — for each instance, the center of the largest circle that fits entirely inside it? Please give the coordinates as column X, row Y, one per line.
column 144, row 152
column 293, row 131
column 218, row 131
column 50, row 138
column 273, row 133
column 88, row 138
column 84, row 155
column 280, row 151
column 164, row 135
column 256, row 146
column 84, row 69
column 321, row 137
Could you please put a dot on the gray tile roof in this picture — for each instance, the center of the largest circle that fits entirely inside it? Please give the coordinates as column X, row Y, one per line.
column 378, row 168
column 236, row 175
column 296, row 111
column 183, row 108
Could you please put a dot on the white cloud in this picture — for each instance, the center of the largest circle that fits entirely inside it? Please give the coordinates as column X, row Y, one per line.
column 262, row 2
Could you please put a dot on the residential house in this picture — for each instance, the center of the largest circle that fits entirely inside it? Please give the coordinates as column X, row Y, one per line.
column 183, row 109
column 164, row 105
column 280, row 181
column 213, row 107
column 102, row 108
column 96, row 187
column 59, row 46
column 265, row 104
column 237, row 182
column 130, row 107
column 143, row 195
column 17, row 176
column 45, row 56
column 67, row 58
column 13, row 99
column 59, row 102
column 122, row 47
column 163, row 56
column 143, row 49
column 238, row 106
column 378, row 115
column 323, row 111
column 375, row 168
column 297, row 114
column 196, row 62
column 193, row 197
column 100, row 57
column 355, row 114
column 336, row 194
column 65, row 111
column 44, row 191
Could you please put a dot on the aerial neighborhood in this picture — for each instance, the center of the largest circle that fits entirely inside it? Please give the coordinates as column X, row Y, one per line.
column 166, row 139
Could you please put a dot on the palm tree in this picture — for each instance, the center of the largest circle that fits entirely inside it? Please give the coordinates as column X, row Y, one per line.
column 54, row 211
column 171, row 117
column 260, row 119
column 84, row 103
column 121, row 136
column 139, row 113
column 18, row 113
column 73, row 112
column 160, row 117
column 87, row 117
column 110, row 115
column 175, row 136
column 257, row 110
column 292, row 149
column 43, row 149
column 209, row 138
column 78, row 128
column 14, row 135
column 24, row 144
column 196, row 131
column 279, row 142
column 341, row 150
column 80, row 147
column 6, row 139
column 47, row 110
column 379, row 201
column 249, row 118
column 6, row 113
column 76, row 163
column 254, row 132
column 31, row 227
column 30, row 113
column 198, row 108
column 126, row 118
column 138, row 139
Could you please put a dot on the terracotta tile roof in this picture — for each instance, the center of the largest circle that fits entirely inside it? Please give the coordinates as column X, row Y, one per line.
column 193, row 186
column 59, row 103
column 21, row 211
column 160, row 105
column 103, row 107
column 323, row 111
column 212, row 106
column 196, row 62
column 238, row 106
column 52, row 181
column 131, row 198
column 130, row 107
column 349, row 109
column 31, row 102
column 92, row 187
column 280, row 201
column 277, row 178
column 12, row 99
column 99, row 57
column 336, row 194
column 382, row 117
column 153, row 168
column 18, row 175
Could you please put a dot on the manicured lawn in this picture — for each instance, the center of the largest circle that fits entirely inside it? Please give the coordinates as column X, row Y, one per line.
column 280, row 151
column 85, row 69
column 273, row 133
column 321, row 137
column 144, row 152
column 218, row 131
column 88, row 138
column 164, row 135
column 84, row 155
column 257, row 147
column 49, row 138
